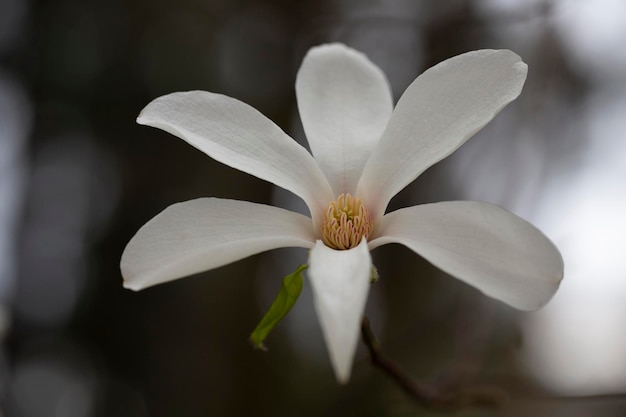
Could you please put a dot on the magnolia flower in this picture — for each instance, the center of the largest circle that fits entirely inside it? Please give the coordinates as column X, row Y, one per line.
column 364, row 152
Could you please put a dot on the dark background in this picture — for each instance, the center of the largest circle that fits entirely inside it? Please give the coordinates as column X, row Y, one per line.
column 78, row 177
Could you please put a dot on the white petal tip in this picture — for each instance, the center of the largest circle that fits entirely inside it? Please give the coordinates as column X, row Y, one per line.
column 344, row 377
column 549, row 290
column 131, row 286
column 336, row 49
column 337, row 46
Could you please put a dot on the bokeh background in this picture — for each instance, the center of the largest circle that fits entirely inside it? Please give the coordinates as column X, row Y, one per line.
column 78, row 177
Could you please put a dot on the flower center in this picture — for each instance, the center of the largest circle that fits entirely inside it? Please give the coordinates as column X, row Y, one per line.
column 346, row 222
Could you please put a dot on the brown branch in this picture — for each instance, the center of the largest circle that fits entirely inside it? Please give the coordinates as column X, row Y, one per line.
column 447, row 399
column 479, row 396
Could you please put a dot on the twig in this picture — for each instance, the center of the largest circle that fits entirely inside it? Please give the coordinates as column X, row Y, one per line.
column 479, row 396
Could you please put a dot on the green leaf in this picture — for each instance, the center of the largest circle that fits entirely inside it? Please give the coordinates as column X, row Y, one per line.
column 286, row 298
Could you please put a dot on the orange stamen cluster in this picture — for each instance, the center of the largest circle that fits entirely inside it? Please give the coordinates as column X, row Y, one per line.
column 346, row 222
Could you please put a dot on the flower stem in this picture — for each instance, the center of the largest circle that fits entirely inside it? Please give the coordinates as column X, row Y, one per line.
column 430, row 397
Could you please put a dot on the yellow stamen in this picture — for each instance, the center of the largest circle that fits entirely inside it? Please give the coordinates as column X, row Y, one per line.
column 346, row 222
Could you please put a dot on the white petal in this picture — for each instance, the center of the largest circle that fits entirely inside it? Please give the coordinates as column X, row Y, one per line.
column 237, row 135
column 484, row 245
column 345, row 102
column 197, row 235
column 340, row 281
column 439, row 111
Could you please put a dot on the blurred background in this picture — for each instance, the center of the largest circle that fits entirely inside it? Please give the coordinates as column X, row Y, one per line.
column 78, row 177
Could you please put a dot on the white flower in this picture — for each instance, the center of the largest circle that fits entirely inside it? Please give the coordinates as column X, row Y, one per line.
column 364, row 152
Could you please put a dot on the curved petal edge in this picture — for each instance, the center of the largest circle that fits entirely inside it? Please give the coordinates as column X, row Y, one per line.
column 500, row 254
column 340, row 280
column 345, row 102
column 238, row 135
column 206, row 233
column 439, row 112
